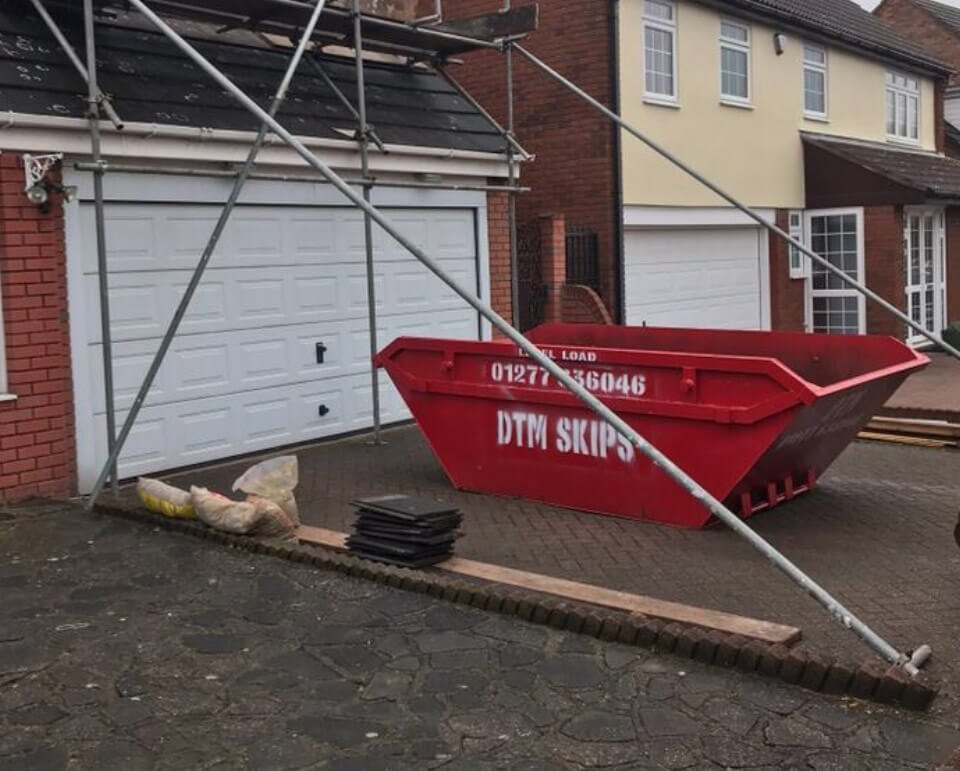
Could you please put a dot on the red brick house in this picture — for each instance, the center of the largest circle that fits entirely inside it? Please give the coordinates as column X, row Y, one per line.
column 274, row 349
column 936, row 26
column 818, row 115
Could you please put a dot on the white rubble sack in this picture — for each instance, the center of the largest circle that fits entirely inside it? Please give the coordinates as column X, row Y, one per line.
column 254, row 516
column 274, row 479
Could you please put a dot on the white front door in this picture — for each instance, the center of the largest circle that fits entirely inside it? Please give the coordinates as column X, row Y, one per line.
column 833, row 306
column 274, row 348
column 925, row 264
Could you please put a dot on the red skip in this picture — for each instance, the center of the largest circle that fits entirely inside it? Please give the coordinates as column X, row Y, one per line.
column 754, row 417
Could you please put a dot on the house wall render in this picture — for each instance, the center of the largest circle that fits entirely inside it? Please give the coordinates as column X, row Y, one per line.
column 753, row 151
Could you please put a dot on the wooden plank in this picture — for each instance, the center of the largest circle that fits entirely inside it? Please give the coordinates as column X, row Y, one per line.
column 912, row 441
column 493, row 26
column 765, row 631
column 929, row 428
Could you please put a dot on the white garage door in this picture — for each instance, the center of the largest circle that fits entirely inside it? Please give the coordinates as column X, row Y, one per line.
column 697, row 277
column 274, row 348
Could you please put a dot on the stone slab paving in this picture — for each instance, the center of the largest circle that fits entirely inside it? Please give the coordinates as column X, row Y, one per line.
column 878, row 533
column 126, row 647
column 931, row 393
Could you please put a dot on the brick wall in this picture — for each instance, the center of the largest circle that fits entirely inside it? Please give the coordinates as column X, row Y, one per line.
column 498, row 233
column 953, row 264
column 787, row 299
column 582, row 305
column 883, row 244
column 574, row 173
column 916, row 24
column 37, row 451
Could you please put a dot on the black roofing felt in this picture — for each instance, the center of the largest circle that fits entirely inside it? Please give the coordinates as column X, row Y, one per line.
column 150, row 81
column 933, row 175
column 845, row 20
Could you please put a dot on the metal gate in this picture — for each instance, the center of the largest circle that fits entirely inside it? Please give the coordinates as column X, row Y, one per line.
column 533, row 292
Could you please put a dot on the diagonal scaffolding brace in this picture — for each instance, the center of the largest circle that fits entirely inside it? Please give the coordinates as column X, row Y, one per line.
column 658, row 148
column 659, row 460
column 242, row 176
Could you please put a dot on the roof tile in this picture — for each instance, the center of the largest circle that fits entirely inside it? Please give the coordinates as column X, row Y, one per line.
column 845, row 20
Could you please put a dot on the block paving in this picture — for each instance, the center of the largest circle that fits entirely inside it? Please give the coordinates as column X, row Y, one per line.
column 128, row 647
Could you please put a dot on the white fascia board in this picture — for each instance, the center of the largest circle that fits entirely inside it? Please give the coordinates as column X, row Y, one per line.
column 691, row 217
column 143, row 141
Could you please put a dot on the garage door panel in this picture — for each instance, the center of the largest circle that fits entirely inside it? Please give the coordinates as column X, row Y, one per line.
column 168, row 436
column 694, row 278
column 242, row 374
column 238, row 360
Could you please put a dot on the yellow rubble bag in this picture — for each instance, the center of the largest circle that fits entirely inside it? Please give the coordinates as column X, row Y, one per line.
column 161, row 498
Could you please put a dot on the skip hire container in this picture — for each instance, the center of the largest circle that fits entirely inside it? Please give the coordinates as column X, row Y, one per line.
column 754, row 417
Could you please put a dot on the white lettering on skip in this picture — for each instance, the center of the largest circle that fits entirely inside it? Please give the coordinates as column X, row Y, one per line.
column 571, row 436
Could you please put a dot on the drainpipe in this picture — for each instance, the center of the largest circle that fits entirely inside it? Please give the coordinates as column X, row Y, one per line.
column 619, row 248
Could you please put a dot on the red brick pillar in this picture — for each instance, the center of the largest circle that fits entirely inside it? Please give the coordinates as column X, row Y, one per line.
column 498, row 242
column 553, row 263
column 37, row 448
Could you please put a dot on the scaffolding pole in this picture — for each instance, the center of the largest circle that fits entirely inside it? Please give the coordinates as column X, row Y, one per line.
column 337, row 92
column 78, row 65
column 364, row 138
column 93, row 111
column 657, row 458
column 772, row 227
column 180, row 171
column 512, row 180
column 198, row 272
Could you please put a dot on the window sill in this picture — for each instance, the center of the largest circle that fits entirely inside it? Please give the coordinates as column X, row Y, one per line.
column 737, row 104
column 817, row 118
column 652, row 100
column 904, row 141
column 8, row 397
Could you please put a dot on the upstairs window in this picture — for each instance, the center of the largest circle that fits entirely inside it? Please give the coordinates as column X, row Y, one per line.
column 903, row 107
column 659, row 49
column 814, row 81
column 734, row 61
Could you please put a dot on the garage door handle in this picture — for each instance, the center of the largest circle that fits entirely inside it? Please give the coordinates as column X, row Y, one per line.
column 323, row 409
column 321, row 350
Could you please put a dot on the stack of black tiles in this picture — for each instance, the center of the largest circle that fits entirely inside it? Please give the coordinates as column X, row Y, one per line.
column 401, row 530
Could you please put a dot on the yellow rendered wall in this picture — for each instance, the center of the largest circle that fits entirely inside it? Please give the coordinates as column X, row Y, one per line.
column 754, row 153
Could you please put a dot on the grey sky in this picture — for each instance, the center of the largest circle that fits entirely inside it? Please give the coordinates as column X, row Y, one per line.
column 871, row 4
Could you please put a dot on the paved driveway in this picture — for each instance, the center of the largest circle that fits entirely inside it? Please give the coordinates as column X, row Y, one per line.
column 878, row 533
column 124, row 647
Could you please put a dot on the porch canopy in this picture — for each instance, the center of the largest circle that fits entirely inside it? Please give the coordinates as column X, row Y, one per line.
column 847, row 172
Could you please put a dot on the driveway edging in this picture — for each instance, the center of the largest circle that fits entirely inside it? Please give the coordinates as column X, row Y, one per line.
column 871, row 681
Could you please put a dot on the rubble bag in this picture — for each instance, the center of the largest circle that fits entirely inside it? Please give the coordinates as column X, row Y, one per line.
column 161, row 498
column 274, row 479
column 756, row 418
column 254, row 516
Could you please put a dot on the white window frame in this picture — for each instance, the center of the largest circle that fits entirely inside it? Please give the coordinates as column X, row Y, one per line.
column 940, row 318
column 799, row 262
column 809, row 291
column 821, row 68
column 741, row 47
column 910, row 95
column 663, row 26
